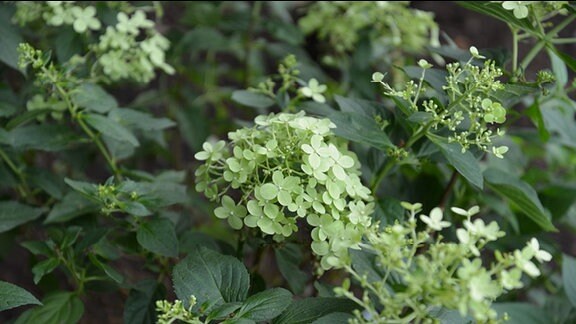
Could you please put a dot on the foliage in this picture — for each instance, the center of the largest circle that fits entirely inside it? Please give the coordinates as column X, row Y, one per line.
column 111, row 111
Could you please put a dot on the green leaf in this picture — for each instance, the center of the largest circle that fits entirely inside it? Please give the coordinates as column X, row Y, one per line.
column 94, row 98
column 72, row 205
column 535, row 114
column 9, row 41
column 308, row 310
column 26, row 117
column 222, row 311
column 513, row 93
column 566, row 58
column 43, row 268
column 12, row 296
column 465, row 163
column 559, row 69
column 13, row 213
column 288, row 258
column 334, row 318
column 139, row 120
column 265, row 305
column 87, row 188
column 109, row 127
column 522, row 313
column 359, row 128
column 366, row 108
column 569, row 277
column 520, row 194
column 50, row 138
column 108, row 270
column 158, row 236
column 495, row 10
column 140, row 306
column 47, row 181
column 558, row 198
column 214, row 279
column 61, row 307
column 252, row 99
column 558, row 117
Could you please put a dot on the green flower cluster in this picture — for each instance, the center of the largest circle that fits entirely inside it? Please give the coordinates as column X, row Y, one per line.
column 176, row 312
column 521, row 9
column 58, row 13
column 461, row 281
column 391, row 24
column 470, row 111
column 286, row 167
column 132, row 49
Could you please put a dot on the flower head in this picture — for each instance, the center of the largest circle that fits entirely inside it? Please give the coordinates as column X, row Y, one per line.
column 434, row 221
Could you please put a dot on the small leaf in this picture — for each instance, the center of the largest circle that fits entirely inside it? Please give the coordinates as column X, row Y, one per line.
column 13, row 213
column 520, row 194
column 12, row 296
column 87, row 188
column 265, row 305
column 43, row 268
column 252, row 99
column 111, row 128
column 569, row 277
column 158, row 236
column 465, row 163
column 73, row 205
column 61, row 307
column 94, row 98
column 110, row 272
column 308, row 310
column 214, row 279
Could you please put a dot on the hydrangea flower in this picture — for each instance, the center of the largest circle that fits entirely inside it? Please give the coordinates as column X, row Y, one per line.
column 85, row 18
column 434, row 221
column 314, row 90
column 519, row 8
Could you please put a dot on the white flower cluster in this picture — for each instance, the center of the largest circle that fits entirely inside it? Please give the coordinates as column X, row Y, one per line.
column 290, row 166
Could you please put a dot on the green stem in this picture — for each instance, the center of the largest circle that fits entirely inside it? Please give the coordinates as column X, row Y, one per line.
column 514, row 51
column 564, row 40
column 23, row 187
column 96, row 139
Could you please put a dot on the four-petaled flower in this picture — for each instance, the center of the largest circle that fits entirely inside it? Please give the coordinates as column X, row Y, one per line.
column 540, row 255
column 314, row 90
column 434, row 221
column 211, row 152
column 519, row 8
column 85, row 19
column 231, row 212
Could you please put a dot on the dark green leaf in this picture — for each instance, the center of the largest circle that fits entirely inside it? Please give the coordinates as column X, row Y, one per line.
column 48, row 181
column 26, row 117
column 139, row 120
column 535, row 114
column 288, row 258
column 222, row 311
column 140, row 307
column 361, row 129
column 252, row 99
column 108, row 270
column 420, row 117
column 558, row 118
column 59, row 308
column 569, row 277
column 558, row 198
column 111, row 128
column 86, row 188
column 265, row 305
column 214, row 279
column 365, row 264
column 7, row 109
column 73, row 205
column 9, row 41
column 43, row 268
column 334, row 318
column 12, row 296
column 514, row 93
column 190, row 241
column 495, row 10
column 46, row 137
column 158, row 236
column 13, row 213
column 520, row 194
column 522, row 313
column 559, row 69
column 94, row 98
column 369, row 109
column 308, row 310
column 37, row 247
column 465, row 163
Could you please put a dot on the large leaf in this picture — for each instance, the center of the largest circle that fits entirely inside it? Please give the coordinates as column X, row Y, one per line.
column 62, row 307
column 288, row 258
column 265, row 305
column 520, row 194
column 158, row 236
column 13, row 213
column 49, row 138
column 334, row 318
column 111, row 128
column 140, row 305
column 93, row 97
column 465, row 163
column 522, row 313
column 569, row 277
column 359, row 128
column 214, row 279
column 12, row 296
column 495, row 10
column 308, row 310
